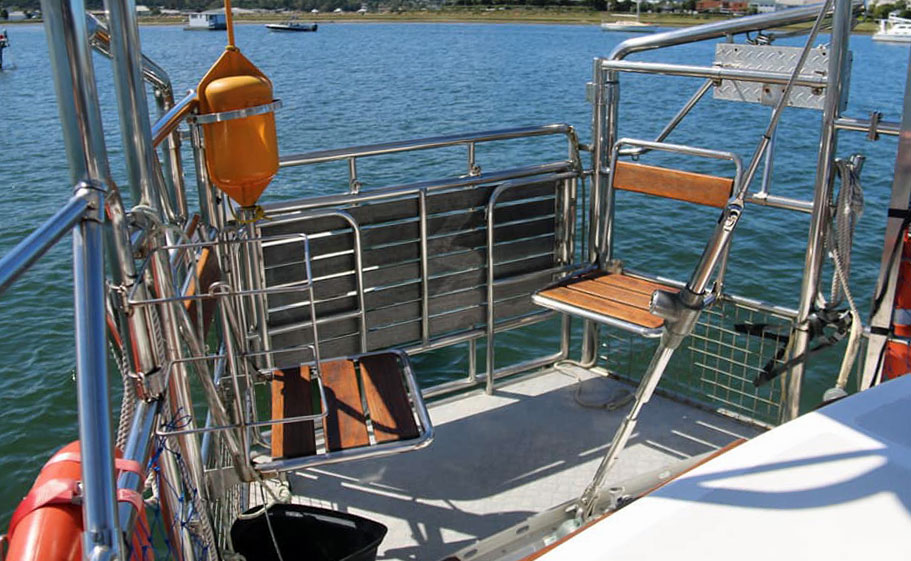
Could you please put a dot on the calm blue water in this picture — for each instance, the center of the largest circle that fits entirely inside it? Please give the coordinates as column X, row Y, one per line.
column 360, row 83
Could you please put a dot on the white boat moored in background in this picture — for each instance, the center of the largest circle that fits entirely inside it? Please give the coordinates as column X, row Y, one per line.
column 291, row 26
column 628, row 26
column 894, row 30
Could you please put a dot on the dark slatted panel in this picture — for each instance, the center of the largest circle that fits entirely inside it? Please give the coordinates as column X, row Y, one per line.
column 345, row 425
column 292, row 397
column 387, row 398
column 524, row 242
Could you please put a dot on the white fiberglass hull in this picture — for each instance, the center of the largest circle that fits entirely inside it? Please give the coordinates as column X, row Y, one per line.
column 628, row 27
column 892, row 37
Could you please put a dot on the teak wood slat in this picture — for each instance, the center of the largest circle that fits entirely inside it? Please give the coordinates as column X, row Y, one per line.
column 387, row 398
column 633, row 284
column 603, row 306
column 292, row 396
column 345, row 425
column 686, row 186
column 614, row 295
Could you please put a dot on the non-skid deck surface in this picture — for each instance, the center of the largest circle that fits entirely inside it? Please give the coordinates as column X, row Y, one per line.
column 496, row 460
column 616, row 295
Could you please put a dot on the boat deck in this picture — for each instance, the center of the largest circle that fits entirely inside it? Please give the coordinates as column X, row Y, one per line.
column 497, row 460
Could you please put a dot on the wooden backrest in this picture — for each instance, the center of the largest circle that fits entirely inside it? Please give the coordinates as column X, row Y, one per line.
column 687, row 186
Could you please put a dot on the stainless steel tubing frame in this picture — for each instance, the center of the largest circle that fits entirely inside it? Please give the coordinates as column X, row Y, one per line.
column 891, row 128
column 101, row 538
column 711, row 73
column 80, row 118
column 100, row 39
column 680, row 310
column 139, row 152
column 675, row 120
column 491, row 277
column 740, row 187
column 606, row 106
column 143, row 171
column 835, row 90
column 29, row 250
column 716, row 30
column 421, row 144
column 137, row 449
column 410, row 189
column 169, row 122
column 604, row 112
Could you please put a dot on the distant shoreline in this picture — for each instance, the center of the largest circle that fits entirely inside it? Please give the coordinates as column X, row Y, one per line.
column 521, row 15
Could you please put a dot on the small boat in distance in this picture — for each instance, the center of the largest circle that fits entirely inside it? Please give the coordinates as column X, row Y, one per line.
column 4, row 43
column 629, row 26
column 894, row 30
column 291, row 26
column 212, row 20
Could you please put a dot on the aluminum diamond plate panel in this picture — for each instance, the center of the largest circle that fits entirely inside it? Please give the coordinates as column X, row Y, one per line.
column 774, row 59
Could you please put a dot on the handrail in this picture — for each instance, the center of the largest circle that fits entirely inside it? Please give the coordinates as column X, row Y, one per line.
column 172, row 119
column 100, row 40
column 715, row 30
column 337, row 154
column 713, row 73
column 29, row 250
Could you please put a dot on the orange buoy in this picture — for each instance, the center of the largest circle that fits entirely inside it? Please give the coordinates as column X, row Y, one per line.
column 241, row 150
column 47, row 524
column 897, row 360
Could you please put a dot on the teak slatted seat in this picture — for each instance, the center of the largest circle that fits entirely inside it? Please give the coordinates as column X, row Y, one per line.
column 617, row 295
column 389, row 422
column 620, row 299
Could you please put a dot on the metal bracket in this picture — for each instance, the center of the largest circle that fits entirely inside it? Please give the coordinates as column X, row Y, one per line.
column 93, row 192
column 872, row 132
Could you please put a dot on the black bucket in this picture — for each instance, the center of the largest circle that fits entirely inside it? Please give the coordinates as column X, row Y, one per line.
column 307, row 533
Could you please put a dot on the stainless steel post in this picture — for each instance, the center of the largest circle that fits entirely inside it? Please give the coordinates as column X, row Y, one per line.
column 101, row 538
column 143, row 170
column 600, row 145
column 813, row 260
column 207, row 204
column 137, row 448
column 135, row 124
column 80, row 119
column 164, row 98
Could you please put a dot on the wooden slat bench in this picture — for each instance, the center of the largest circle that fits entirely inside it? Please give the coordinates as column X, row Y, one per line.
column 371, row 407
column 611, row 298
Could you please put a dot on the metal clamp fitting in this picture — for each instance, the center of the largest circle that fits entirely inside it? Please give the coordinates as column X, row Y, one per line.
column 209, row 118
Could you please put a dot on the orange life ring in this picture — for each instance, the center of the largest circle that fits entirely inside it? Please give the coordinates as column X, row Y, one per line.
column 47, row 524
column 897, row 360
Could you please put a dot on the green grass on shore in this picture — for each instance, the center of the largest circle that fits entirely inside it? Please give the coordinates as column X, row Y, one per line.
column 514, row 14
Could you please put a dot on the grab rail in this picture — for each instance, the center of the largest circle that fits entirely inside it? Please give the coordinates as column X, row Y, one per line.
column 717, row 30
column 322, row 156
column 172, row 119
column 470, row 140
column 36, row 244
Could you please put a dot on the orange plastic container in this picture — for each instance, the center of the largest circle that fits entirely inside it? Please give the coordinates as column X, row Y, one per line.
column 241, row 154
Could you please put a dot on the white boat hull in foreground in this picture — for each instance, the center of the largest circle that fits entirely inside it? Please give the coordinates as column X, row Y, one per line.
column 833, row 484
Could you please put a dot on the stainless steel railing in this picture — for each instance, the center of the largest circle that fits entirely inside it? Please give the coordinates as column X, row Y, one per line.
column 605, row 96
